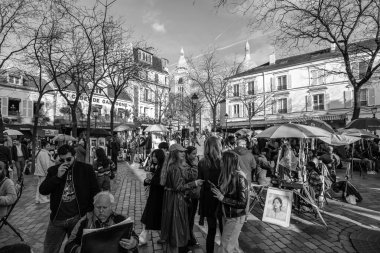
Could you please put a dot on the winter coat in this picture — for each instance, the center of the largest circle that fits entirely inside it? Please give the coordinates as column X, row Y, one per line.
column 8, row 195
column 44, row 160
column 247, row 162
column 85, row 184
column 175, row 223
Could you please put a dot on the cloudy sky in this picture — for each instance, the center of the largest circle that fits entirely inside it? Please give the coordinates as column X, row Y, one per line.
column 196, row 26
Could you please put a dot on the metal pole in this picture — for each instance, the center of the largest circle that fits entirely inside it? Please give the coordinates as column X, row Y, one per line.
column 194, row 121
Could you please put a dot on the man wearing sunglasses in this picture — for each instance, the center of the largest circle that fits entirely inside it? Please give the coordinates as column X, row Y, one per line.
column 71, row 185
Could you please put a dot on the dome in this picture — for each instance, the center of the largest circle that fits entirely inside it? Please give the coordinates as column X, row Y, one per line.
column 247, row 62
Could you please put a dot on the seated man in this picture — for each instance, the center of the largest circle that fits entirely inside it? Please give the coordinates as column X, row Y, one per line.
column 101, row 217
column 8, row 194
column 314, row 179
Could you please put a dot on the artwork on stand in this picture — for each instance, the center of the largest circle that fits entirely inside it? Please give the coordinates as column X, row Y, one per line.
column 102, row 143
column 94, row 145
column 278, row 206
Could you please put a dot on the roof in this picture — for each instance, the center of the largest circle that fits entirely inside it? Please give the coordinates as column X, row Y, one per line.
column 156, row 61
column 123, row 95
column 319, row 55
column 28, row 80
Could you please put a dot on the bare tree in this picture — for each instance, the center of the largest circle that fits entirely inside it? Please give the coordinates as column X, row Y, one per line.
column 122, row 72
column 320, row 22
column 36, row 59
column 210, row 75
column 98, row 31
column 161, row 102
column 14, row 17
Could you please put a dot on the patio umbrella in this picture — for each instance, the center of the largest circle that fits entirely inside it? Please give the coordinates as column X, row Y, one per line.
column 357, row 133
column 122, row 128
column 320, row 123
column 64, row 137
column 291, row 130
column 244, row 132
column 12, row 132
column 365, row 123
column 156, row 128
column 340, row 139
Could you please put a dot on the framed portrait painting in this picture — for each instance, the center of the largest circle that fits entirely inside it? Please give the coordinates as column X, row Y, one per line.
column 278, row 206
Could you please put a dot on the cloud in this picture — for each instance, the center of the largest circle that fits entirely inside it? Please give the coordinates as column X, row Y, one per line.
column 160, row 28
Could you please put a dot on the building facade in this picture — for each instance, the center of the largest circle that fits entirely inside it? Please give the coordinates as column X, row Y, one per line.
column 151, row 92
column 295, row 89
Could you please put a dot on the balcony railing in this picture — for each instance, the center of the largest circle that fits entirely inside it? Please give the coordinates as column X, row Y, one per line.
column 281, row 87
column 251, row 92
column 235, row 94
column 282, row 110
column 319, row 107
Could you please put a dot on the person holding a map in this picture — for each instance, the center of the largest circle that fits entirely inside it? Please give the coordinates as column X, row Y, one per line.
column 102, row 217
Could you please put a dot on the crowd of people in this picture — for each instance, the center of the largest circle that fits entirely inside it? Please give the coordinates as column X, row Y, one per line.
column 180, row 183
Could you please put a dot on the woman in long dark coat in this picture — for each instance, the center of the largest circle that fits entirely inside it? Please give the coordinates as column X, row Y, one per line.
column 175, row 225
column 209, row 171
column 151, row 217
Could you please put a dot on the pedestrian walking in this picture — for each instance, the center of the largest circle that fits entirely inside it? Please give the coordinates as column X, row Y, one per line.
column 19, row 157
column 103, row 166
column 115, row 149
column 81, row 151
column 209, row 171
column 44, row 161
column 175, row 224
column 190, row 173
column 5, row 156
column 71, row 185
column 232, row 192
column 151, row 217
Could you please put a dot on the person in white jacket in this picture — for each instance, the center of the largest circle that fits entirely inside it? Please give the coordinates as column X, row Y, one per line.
column 44, row 160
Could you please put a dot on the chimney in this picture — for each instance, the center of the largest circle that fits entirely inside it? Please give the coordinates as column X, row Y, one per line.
column 332, row 47
column 272, row 59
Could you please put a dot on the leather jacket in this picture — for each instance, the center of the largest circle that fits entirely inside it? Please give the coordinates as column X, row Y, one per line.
column 234, row 204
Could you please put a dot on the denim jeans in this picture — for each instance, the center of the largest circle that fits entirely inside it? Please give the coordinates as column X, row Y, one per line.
column 56, row 232
column 229, row 242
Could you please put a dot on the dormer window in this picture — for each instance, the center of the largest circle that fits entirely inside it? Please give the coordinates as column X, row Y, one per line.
column 145, row 57
column 98, row 91
column 14, row 79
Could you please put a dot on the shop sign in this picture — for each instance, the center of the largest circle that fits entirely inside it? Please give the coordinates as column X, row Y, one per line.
column 104, row 101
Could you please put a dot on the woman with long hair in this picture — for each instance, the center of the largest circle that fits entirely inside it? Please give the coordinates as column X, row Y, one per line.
column 102, row 166
column 209, row 171
column 151, row 217
column 174, row 223
column 233, row 195
column 190, row 173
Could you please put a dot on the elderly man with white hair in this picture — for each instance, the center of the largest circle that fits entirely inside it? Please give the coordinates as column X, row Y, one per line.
column 102, row 216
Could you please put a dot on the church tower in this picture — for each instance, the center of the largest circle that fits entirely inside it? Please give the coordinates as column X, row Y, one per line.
column 247, row 62
column 180, row 75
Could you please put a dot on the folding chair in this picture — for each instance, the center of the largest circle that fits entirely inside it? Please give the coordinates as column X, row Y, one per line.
column 3, row 221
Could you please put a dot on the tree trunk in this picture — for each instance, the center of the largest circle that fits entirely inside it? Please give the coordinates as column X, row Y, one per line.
column 34, row 135
column 112, row 114
column 214, row 118
column 88, row 129
column 250, row 122
column 75, row 125
column 356, row 112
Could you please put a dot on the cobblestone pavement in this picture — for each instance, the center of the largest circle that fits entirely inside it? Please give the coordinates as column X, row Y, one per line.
column 346, row 223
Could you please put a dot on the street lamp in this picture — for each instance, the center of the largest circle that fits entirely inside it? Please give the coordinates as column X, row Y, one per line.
column 374, row 110
column 226, row 117
column 95, row 112
column 194, row 99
